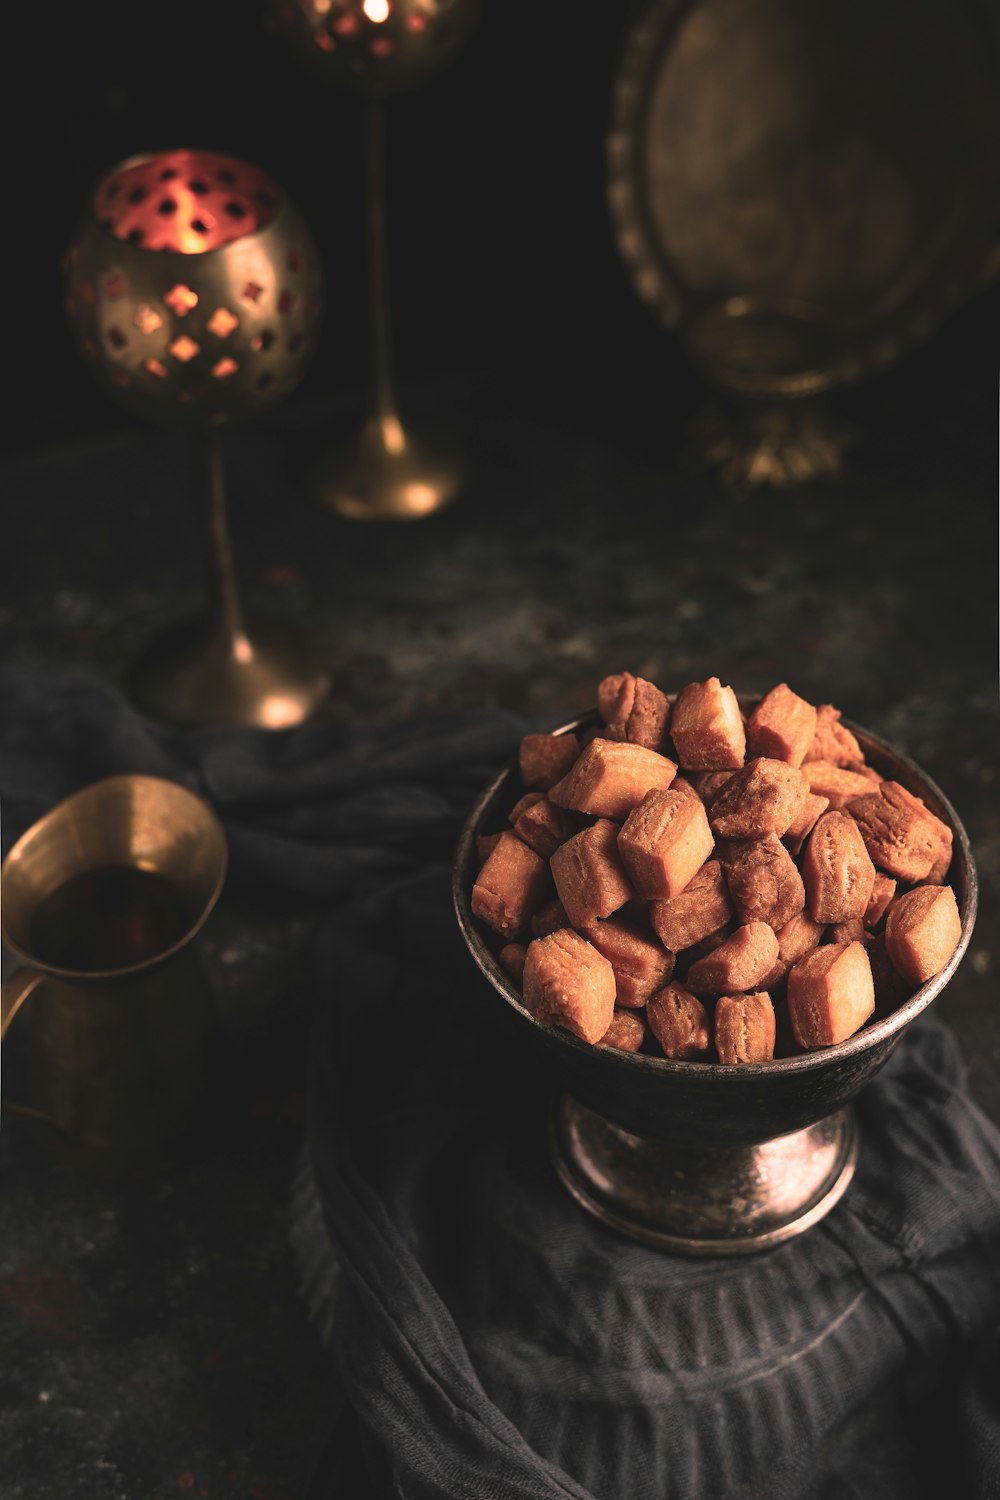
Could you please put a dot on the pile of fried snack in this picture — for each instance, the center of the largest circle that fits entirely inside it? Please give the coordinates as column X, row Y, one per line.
column 714, row 886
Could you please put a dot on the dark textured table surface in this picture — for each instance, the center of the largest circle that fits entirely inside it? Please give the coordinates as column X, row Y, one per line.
column 157, row 1336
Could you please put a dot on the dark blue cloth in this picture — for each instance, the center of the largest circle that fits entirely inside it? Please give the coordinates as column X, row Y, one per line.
column 493, row 1340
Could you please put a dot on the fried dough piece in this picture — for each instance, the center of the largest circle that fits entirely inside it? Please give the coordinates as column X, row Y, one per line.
column 745, row 1028
column 568, row 983
column 511, row 885
column 902, row 835
column 641, row 964
column 541, row 825
column 922, row 931
column 706, row 727
column 640, row 714
column 511, row 957
column 838, row 874
column 738, row 964
column 883, row 890
column 805, row 820
column 608, row 779
column 782, row 726
column 835, row 783
column 544, row 759
column 700, row 909
column 763, row 881
column 833, row 741
column 627, row 1031
column 764, row 797
column 797, row 938
column 549, row 919
column 830, row 994
column 589, row 876
column 664, row 842
column 679, row 1022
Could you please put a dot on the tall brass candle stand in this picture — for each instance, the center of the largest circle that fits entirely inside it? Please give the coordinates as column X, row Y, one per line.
column 194, row 291
column 391, row 470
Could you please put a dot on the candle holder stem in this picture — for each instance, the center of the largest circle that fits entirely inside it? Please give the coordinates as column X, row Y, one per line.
column 225, row 610
column 219, row 670
column 388, row 472
column 383, row 398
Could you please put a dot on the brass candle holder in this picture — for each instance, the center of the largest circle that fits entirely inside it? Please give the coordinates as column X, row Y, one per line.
column 194, row 292
column 391, row 470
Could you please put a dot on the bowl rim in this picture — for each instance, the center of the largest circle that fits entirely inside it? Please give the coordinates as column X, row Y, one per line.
column 864, row 1040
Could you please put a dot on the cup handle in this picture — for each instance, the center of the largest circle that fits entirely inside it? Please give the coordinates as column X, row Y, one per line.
column 13, row 993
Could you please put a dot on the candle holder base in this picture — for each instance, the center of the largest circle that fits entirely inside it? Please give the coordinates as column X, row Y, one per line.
column 263, row 677
column 389, row 473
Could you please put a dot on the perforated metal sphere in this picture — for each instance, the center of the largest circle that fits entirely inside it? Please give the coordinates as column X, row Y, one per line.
column 193, row 287
column 378, row 47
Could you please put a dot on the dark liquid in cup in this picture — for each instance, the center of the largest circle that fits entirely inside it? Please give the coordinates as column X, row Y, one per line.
column 108, row 919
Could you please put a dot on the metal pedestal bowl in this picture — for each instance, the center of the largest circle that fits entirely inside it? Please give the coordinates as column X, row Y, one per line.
column 703, row 1158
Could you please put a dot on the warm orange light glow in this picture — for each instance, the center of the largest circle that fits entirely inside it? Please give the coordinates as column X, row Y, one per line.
column 224, row 368
column 184, row 349
column 180, row 299
column 376, row 10
column 147, row 319
column 278, row 713
column 420, row 498
column 222, row 323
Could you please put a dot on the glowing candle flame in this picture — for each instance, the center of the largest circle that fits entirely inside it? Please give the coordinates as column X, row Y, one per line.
column 376, row 10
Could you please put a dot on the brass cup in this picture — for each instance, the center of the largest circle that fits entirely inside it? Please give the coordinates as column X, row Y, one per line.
column 116, row 1037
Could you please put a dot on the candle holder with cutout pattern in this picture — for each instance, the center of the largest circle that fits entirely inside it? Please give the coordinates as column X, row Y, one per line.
column 194, row 292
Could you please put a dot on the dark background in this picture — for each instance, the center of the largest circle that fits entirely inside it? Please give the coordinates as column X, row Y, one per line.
column 503, row 265
column 502, row 258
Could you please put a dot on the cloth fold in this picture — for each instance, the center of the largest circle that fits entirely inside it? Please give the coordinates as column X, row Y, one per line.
column 492, row 1339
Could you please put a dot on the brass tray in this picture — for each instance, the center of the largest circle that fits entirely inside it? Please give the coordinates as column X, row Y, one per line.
column 803, row 191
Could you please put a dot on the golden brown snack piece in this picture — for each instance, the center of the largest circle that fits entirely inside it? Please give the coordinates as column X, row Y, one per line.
column 608, row 692
column 486, row 843
column 664, row 842
column 708, row 783
column 782, row 726
column 512, row 884
column 542, row 826
column 851, row 930
column 833, row 741
column 641, row 964
column 922, row 931
column 836, row 869
column 802, row 825
column 627, row 1031
column 522, row 804
column 738, row 964
column 640, row 714
column 883, row 890
column 589, row 876
column 681, row 784
column 830, row 994
column 744, row 1028
column 544, row 759
column 700, row 909
column 763, row 881
column 549, row 919
column 890, row 986
column 835, row 783
column 902, row 835
column 706, row 727
column 511, row 957
column 764, row 797
column 679, row 1022
column 568, row 983
column 609, row 779
column 797, row 938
